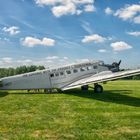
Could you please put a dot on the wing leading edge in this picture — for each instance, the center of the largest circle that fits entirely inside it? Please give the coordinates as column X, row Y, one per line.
column 102, row 77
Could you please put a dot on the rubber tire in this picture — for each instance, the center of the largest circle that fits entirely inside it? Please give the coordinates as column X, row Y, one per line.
column 60, row 91
column 85, row 87
column 98, row 89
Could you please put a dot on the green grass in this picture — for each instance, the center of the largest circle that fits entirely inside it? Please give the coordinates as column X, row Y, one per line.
column 73, row 115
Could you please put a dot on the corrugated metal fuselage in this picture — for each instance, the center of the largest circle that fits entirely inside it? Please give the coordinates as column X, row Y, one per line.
column 52, row 78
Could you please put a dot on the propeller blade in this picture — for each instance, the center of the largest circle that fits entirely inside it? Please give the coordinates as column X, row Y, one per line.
column 119, row 62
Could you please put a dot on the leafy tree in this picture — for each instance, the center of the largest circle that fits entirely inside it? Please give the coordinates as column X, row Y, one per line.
column 136, row 77
column 4, row 72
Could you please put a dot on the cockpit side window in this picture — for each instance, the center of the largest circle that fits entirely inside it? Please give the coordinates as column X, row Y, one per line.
column 95, row 67
column 101, row 63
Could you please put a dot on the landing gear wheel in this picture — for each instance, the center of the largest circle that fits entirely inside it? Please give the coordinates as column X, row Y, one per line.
column 59, row 91
column 98, row 89
column 85, row 87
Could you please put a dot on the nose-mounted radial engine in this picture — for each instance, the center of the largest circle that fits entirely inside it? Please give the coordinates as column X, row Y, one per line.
column 114, row 67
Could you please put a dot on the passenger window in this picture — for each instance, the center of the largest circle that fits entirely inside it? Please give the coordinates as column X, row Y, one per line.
column 75, row 71
column 95, row 67
column 88, row 68
column 61, row 73
column 68, row 72
column 51, row 75
column 82, row 69
column 56, row 74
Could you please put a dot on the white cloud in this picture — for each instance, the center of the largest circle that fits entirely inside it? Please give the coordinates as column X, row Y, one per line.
column 102, row 50
column 31, row 42
column 129, row 12
column 66, row 58
column 109, row 11
column 78, row 12
column 7, row 59
column 64, row 10
column 89, row 8
column 52, row 57
column 93, row 38
column 82, row 60
column 45, row 2
column 136, row 33
column 54, row 2
column 28, row 61
column 6, row 39
column 82, row 1
column 23, row 62
column 51, row 61
column 137, row 20
column 119, row 46
column 13, row 30
column 110, row 38
column 67, row 7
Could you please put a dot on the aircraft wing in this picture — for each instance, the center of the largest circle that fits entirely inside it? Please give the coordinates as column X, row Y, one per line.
column 101, row 77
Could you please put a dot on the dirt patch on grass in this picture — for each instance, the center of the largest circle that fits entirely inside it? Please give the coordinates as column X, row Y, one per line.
column 49, row 134
column 117, row 132
column 127, row 130
column 45, row 134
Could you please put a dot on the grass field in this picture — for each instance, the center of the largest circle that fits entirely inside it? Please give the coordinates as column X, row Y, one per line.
column 73, row 115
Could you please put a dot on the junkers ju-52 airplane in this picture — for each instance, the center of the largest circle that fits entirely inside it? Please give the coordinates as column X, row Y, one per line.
column 68, row 77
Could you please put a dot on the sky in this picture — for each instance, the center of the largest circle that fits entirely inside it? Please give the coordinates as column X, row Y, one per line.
column 58, row 32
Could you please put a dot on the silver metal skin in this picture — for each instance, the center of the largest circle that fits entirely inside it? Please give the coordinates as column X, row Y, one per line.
column 66, row 77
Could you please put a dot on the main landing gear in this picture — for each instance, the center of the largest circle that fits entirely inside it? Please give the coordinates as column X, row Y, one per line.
column 85, row 87
column 97, row 88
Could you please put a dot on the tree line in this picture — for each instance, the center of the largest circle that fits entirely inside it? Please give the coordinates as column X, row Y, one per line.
column 136, row 77
column 4, row 72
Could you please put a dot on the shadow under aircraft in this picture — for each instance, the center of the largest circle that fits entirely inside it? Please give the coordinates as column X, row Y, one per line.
column 113, row 96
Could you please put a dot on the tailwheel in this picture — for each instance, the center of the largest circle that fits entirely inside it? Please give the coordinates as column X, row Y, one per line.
column 98, row 88
column 85, row 87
